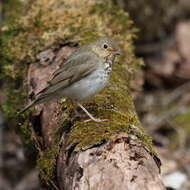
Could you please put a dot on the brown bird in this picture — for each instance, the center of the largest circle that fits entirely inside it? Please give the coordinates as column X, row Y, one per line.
column 85, row 73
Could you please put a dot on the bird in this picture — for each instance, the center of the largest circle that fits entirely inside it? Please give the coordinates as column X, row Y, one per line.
column 85, row 73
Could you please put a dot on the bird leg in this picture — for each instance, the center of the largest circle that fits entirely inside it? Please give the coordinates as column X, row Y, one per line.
column 77, row 113
column 91, row 117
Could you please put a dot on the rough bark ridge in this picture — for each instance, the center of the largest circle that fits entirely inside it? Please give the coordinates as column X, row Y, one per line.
column 121, row 162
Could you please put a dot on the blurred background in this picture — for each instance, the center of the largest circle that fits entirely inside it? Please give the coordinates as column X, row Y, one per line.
column 161, row 91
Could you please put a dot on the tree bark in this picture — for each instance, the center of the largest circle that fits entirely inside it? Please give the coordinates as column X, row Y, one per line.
column 119, row 164
column 122, row 162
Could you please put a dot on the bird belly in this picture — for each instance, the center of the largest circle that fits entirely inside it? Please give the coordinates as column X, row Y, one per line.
column 86, row 87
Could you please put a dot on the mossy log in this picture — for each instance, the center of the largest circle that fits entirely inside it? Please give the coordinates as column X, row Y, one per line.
column 73, row 154
column 115, row 154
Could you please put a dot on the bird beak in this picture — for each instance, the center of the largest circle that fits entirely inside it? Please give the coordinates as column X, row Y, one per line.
column 117, row 52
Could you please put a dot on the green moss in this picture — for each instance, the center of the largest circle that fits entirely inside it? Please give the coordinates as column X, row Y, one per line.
column 11, row 11
column 46, row 164
column 11, row 76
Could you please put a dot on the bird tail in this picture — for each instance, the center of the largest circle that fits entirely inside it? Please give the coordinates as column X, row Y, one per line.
column 27, row 107
column 40, row 99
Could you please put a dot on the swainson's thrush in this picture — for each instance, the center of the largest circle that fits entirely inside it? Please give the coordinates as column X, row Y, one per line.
column 84, row 74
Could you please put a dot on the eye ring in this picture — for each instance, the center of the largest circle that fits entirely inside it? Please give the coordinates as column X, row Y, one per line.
column 105, row 46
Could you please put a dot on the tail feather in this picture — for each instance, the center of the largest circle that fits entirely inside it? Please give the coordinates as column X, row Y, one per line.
column 27, row 107
column 44, row 95
column 42, row 98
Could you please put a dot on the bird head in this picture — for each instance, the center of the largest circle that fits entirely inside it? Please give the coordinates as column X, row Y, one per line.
column 105, row 47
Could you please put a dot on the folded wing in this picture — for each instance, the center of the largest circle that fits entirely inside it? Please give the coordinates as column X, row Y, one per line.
column 72, row 71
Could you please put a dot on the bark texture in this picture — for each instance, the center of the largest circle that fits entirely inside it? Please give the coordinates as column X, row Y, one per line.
column 121, row 163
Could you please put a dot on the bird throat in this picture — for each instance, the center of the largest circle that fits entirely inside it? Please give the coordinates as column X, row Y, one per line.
column 108, row 66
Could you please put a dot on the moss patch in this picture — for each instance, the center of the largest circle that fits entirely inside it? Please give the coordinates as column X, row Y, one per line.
column 46, row 164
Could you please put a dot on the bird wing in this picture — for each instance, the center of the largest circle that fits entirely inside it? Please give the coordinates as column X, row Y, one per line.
column 72, row 71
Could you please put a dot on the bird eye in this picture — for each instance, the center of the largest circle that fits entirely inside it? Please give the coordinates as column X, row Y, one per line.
column 105, row 46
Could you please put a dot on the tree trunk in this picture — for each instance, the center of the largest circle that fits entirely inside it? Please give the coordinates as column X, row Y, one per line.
column 122, row 162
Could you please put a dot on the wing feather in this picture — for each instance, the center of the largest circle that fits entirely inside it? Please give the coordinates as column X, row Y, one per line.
column 74, row 70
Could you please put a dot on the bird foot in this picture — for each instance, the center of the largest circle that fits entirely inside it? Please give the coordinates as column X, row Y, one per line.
column 96, row 120
column 91, row 117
